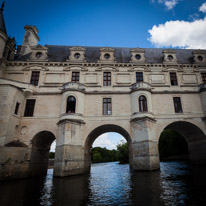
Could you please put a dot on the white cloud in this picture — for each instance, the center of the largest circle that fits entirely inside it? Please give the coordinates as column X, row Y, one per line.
column 169, row 4
column 104, row 141
column 108, row 140
column 190, row 35
column 203, row 8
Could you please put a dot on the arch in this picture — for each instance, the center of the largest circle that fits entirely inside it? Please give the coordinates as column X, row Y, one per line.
column 99, row 131
column 143, row 104
column 195, row 137
column 41, row 143
column 71, row 104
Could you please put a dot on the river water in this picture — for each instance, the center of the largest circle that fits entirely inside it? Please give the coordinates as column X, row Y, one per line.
column 176, row 184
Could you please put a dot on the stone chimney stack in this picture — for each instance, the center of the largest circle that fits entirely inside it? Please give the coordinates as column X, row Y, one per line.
column 31, row 38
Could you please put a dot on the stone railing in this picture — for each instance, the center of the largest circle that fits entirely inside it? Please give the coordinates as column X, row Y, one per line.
column 73, row 86
column 140, row 86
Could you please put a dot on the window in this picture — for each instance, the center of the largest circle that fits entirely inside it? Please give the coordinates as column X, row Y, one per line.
column 71, row 104
column 139, row 77
column 173, row 78
column 142, row 104
column 107, row 78
column 17, row 108
column 35, row 78
column 75, row 76
column 203, row 78
column 29, row 109
column 177, row 104
column 107, row 106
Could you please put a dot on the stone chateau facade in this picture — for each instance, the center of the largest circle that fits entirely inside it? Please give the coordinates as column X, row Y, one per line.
column 74, row 94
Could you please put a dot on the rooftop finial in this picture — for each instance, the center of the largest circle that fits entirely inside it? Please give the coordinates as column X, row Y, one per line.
column 2, row 6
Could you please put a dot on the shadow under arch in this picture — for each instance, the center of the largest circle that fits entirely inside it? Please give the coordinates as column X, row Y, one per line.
column 41, row 143
column 99, row 131
column 195, row 138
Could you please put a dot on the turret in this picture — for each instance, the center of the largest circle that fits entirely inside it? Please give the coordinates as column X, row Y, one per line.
column 3, row 33
column 31, row 39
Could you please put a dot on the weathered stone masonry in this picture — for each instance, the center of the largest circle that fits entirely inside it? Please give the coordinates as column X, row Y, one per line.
column 75, row 94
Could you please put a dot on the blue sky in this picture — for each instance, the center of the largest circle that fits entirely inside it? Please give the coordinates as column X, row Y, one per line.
column 115, row 23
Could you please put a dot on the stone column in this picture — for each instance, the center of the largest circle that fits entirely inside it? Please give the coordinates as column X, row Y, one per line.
column 144, row 144
column 69, row 156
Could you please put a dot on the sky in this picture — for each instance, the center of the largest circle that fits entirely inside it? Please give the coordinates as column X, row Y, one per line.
column 113, row 23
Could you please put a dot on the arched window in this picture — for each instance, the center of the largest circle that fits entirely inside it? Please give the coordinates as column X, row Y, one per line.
column 71, row 104
column 142, row 104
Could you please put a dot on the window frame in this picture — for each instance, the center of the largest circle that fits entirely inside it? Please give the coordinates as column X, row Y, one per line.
column 139, row 77
column 143, row 106
column 16, row 111
column 75, row 76
column 107, row 106
column 107, row 79
column 67, row 105
column 203, row 76
column 173, row 79
column 35, row 78
column 29, row 108
column 177, row 105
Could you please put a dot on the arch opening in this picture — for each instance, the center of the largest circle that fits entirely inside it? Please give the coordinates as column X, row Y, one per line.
column 143, row 104
column 98, row 132
column 71, row 104
column 41, row 144
column 195, row 139
column 172, row 146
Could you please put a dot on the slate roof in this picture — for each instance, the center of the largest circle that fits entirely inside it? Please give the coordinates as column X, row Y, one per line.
column 2, row 23
column 122, row 55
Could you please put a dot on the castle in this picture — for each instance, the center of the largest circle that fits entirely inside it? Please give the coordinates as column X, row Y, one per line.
column 74, row 94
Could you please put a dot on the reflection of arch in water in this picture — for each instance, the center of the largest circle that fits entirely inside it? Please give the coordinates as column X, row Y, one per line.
column 40, row 152
column 99, row 131
column 195, row 138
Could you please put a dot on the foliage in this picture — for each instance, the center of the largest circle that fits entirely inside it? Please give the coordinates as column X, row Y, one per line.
column 172, row 143
column 123, row 153
column 51, row 155
column 99, row 154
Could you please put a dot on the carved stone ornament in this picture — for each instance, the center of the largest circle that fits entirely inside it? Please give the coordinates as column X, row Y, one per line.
column 73, row 86
column 141, row 86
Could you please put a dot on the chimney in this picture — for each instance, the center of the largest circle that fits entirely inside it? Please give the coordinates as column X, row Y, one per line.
column 31, row 38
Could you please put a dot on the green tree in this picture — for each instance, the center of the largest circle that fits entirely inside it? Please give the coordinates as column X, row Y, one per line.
column 123, row 153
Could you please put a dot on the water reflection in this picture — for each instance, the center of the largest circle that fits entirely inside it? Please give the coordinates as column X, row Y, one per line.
column 111, row 184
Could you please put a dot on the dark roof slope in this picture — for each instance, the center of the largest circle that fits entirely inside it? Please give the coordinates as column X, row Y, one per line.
column 2, row 23
column 122, row 55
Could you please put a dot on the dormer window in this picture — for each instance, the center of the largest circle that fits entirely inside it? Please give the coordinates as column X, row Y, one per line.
column 170, row 57
column 137, row 55
column 38, row 55
column 77, row 55
column 200, row 58
column 107, row 56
